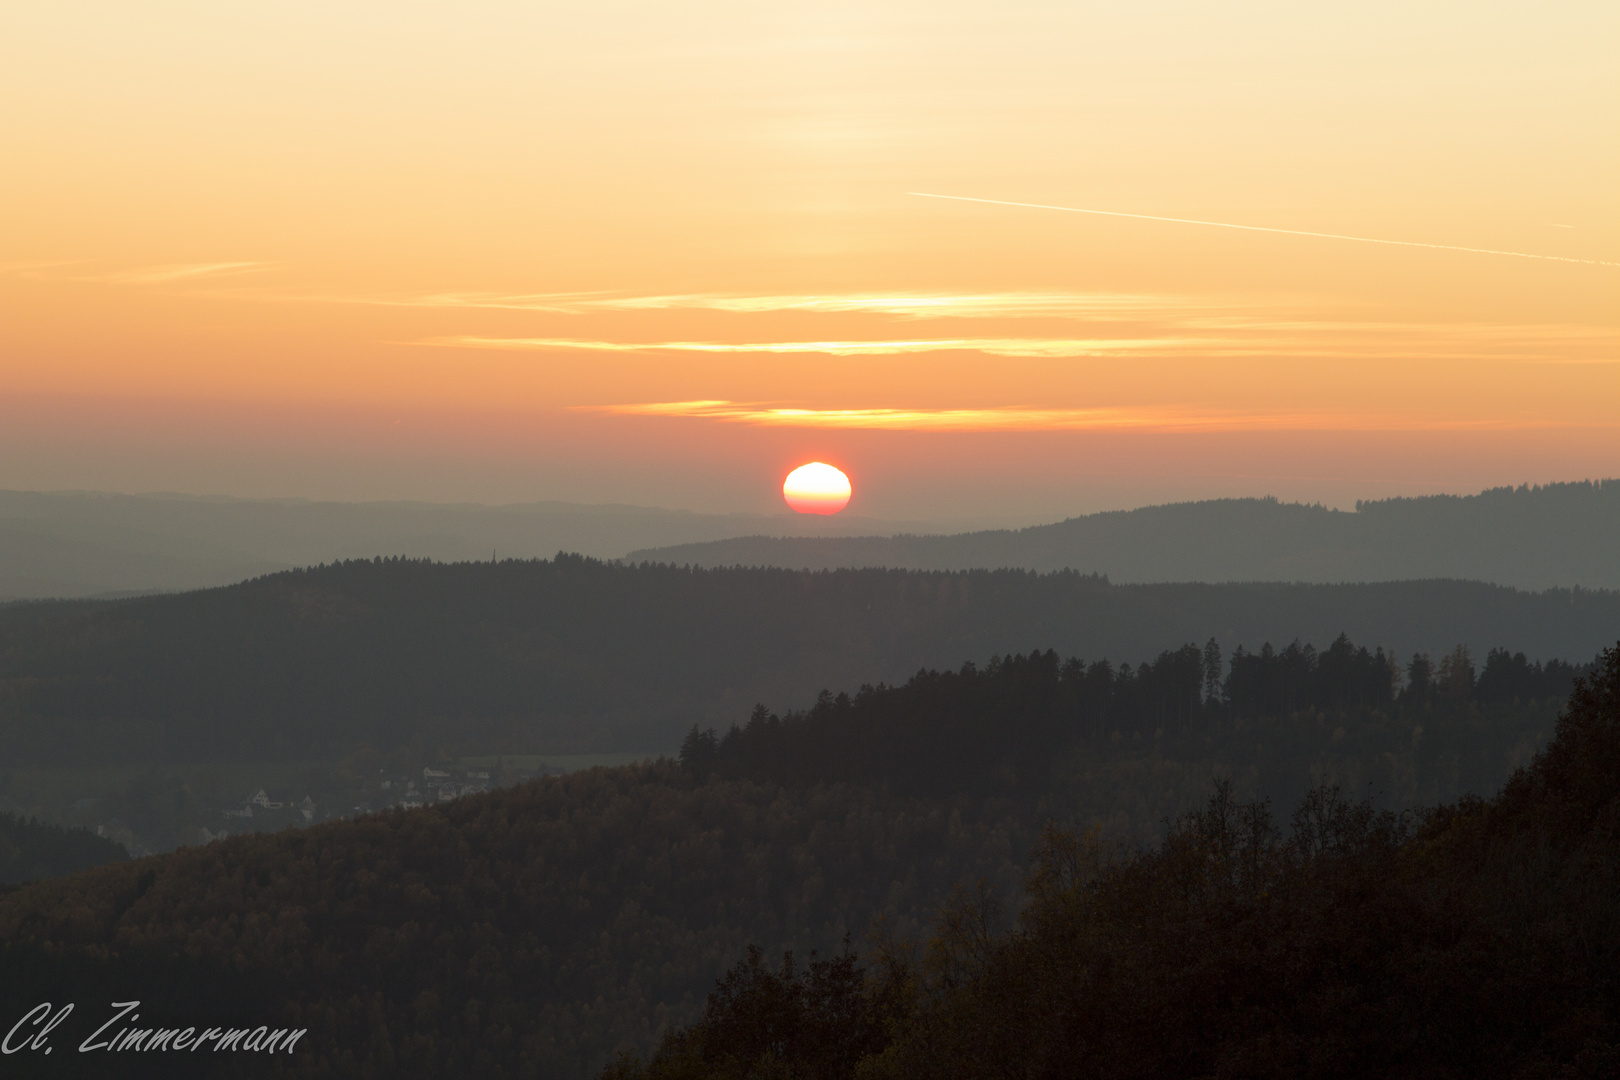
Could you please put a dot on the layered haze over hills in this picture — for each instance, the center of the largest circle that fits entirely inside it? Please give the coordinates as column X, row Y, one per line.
column 1527, row 537
column 82, row 544
column 576, row 655
column 79, row 544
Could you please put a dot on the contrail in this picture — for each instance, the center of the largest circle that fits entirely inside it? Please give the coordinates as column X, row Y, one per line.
column 1262, row 228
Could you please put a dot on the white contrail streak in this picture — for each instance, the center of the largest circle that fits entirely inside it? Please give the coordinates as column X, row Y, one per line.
column 1262, row 228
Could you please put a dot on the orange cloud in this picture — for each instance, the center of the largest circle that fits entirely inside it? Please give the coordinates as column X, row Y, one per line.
column 992, row 346
column 146, row 275
column 1237, row 338
column 930, row 306
column 1016, row 418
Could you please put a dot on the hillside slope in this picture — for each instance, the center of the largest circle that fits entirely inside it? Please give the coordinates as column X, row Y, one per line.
column 1533, row 538
column 549, row 656
column 31, row 849
column 1473, row 940
column 535, row 930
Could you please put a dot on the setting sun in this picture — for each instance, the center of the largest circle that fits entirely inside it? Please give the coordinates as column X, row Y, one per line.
column 816, row 489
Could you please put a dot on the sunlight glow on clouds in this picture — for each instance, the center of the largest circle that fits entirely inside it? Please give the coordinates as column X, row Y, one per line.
column 518, row 210
column 1036, row 419
column 1052, row 347
column 979, row 306
column 1213, row 327
column 1211, row 338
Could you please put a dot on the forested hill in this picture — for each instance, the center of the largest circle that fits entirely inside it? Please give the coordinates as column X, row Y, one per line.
column 32, row 849
column 573, row 653
column 1534, row 538
column 1471, row 940
column 1020, row 726
column 536, row 930
column 87, row 543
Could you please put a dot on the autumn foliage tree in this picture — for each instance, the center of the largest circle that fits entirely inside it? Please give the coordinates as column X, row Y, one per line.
column 1478, row 939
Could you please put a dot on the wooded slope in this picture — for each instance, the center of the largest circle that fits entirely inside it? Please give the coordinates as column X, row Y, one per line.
column 1476, row 939
column 536, row 930
column 576, row 655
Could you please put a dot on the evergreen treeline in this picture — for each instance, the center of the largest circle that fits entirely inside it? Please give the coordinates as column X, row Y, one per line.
column 31, row 849
column 576, row 655
column 1477, row 939
column 1024, row 723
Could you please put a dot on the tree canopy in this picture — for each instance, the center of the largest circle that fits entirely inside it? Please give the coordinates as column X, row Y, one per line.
column 573, row 655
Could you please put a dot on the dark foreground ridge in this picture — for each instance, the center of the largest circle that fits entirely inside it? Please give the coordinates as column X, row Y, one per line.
column 540, row 929
column 575, row 655
column 1478, row 939
column 1533, row 538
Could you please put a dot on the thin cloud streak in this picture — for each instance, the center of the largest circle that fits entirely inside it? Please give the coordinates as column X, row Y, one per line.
column 1031, row 347
column 1016, row 418
column 1214, row 327
column 911, row 306
column 146, row 275
column 549, row 303
column 160, row 275
column 927, row 306
column 1508, row 344
column 1264, row 229
column 31, row 269
column 569, row 303
column 1177, row 326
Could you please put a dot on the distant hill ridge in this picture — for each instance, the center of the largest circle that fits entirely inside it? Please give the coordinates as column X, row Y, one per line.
column 78, row 544
column 577, row 655
column 1553, row 535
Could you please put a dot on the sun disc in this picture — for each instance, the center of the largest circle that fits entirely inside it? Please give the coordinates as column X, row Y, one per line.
column 816, row 488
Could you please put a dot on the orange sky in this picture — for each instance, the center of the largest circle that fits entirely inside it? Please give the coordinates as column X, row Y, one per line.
column 660, row 253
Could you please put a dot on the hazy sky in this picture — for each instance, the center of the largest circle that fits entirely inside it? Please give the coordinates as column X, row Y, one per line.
column 663, row 252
